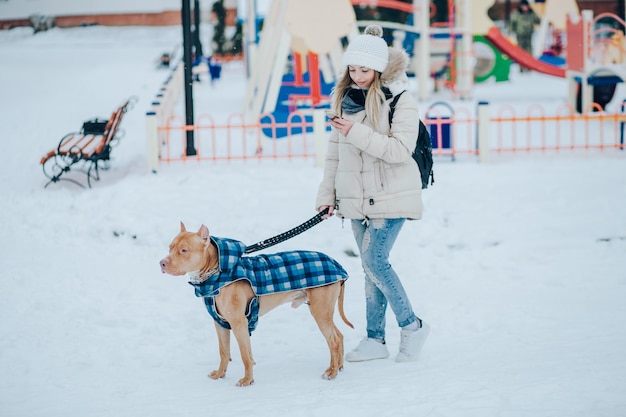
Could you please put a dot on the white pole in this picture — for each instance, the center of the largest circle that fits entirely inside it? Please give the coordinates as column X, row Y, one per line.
column 251, row 45
column 572, row 88
column 319, row 132
column 261, row 67
column 152, row 141
column 275, row 77
column 586, row 89
column 539, row 41
column 483, row 131
column 421, row 19
column 465, row 71
column 178, row 81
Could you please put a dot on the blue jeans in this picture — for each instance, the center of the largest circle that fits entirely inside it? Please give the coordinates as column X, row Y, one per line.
column 375, row 238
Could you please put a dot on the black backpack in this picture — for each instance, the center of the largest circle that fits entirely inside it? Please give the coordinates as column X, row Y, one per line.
column 423, row 153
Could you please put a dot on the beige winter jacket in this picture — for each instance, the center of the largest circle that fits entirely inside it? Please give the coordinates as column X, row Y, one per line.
column 370, row 173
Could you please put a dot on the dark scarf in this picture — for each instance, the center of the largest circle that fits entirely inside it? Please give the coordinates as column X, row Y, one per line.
column 353, row 100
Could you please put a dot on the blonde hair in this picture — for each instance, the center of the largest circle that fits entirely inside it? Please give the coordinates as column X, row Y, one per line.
column 373, row 100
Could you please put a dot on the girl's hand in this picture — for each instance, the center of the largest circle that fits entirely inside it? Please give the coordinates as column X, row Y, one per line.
column 331, row 209
column 342, row 125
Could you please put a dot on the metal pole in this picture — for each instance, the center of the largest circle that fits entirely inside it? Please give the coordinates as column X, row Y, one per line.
column 507, row 14
column 187, row 42
column 196, row 33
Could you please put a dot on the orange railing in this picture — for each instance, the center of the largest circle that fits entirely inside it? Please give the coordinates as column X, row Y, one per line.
column 236, row 139
column 511, row 130
column 537, row 130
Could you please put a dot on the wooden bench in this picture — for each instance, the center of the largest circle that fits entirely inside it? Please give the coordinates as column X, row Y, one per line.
column 88, row 150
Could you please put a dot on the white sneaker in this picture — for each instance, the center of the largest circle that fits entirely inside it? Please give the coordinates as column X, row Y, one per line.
column 411, row 343
column 367, row 350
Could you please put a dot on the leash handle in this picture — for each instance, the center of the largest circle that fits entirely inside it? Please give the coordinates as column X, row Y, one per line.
column 288, row 234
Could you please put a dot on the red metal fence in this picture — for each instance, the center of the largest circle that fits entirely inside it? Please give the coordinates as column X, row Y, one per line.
column 510, row 130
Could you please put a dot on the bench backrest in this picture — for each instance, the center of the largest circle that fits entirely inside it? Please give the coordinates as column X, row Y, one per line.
column 114, row 122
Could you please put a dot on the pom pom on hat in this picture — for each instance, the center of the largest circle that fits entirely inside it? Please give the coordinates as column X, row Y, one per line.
column 368, row 50
column 374, row 30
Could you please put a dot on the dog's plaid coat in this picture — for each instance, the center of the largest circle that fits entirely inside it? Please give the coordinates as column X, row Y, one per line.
column 267, row 274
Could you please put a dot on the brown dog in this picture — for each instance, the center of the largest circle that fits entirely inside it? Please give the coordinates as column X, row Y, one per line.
column 238, row 289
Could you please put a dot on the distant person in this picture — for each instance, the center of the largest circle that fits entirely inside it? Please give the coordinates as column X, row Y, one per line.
column 215, row 69
column 523, row 21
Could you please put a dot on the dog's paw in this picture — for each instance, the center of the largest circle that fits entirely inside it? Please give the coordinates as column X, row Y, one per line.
column 245, row 382
column 331, row 373
column 217, row 374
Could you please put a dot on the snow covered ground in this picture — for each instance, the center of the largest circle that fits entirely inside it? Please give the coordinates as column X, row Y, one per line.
column 519, row 265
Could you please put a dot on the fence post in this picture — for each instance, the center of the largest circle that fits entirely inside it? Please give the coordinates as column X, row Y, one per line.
column 319, row 134
column 621, row 127
column 152, row 139
column 483, row 131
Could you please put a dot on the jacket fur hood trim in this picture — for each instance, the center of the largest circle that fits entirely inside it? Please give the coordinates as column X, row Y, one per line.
column 394, row 76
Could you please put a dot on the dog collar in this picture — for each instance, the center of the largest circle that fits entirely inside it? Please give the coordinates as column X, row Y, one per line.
column 196, row 278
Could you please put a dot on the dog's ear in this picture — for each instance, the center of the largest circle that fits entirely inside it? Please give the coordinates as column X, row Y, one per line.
column 182, row 227
column 204, row 232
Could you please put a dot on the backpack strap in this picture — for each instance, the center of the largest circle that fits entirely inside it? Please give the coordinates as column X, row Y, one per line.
column 392, row 106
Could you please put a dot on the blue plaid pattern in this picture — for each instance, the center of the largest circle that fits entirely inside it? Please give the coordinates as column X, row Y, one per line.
column 252, row 313
column 267, row 274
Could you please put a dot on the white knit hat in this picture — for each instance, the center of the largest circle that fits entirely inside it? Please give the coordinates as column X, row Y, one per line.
column 368, row 50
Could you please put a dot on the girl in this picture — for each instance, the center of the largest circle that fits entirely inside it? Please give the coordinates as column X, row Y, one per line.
column 371, row 178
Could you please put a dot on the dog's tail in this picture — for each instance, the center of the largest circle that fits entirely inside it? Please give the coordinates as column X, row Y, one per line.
column 340, row 306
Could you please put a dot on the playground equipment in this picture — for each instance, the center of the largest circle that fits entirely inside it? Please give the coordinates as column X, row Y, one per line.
column 490, row 61
column 439, row 126
column 482, row 25
column 290, row 27
column 455, row 133
column 593, row 78
column 553, row 15
column 517, row 54
column 446, row 49
column 291, row 31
